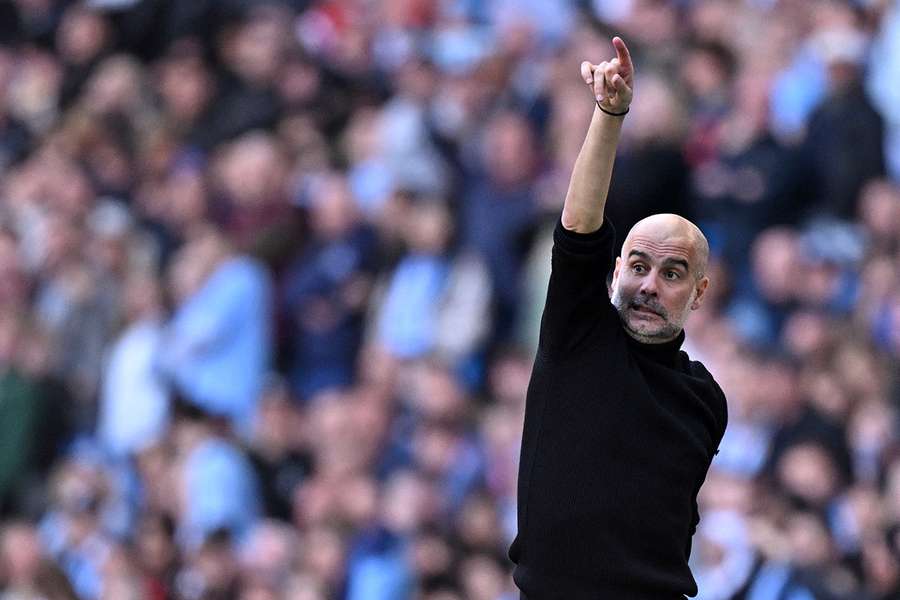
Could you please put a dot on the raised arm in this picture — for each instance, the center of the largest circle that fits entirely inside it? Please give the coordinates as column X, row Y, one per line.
column 611, row 83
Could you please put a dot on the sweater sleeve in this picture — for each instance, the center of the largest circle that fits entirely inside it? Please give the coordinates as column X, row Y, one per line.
column 722, row 416
column 578, row 312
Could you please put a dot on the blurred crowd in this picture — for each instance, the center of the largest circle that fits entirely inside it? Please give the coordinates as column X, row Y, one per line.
column 271, row 274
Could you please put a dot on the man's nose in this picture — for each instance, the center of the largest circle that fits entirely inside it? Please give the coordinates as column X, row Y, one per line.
column 648, row 285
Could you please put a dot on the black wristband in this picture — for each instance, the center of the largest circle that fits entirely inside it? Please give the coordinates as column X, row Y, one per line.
column 621, row 114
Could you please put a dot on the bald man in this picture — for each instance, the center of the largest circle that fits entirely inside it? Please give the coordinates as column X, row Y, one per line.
column 620, row 425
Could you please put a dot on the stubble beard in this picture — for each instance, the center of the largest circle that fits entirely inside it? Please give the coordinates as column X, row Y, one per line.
column 647, row 333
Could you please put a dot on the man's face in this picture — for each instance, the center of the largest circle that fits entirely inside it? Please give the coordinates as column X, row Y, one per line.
column 655, row 286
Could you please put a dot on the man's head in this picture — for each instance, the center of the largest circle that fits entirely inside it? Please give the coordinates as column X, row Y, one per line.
column 660, row 277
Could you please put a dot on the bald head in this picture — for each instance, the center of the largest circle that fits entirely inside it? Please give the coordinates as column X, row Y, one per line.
column 674, row 233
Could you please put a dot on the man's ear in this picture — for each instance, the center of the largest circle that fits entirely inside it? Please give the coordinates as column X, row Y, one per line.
column 611, row 279
column 701, row 290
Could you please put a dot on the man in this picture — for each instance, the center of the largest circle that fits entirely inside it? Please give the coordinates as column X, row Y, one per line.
column 620, row 426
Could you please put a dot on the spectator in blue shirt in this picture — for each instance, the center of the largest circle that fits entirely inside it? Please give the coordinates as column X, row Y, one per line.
column 217, row 345
column 215, row 481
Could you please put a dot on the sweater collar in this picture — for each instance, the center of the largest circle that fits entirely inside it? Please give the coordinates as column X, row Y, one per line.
column 665, row 353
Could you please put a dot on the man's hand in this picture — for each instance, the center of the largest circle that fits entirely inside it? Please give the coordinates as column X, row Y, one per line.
column 611, row 82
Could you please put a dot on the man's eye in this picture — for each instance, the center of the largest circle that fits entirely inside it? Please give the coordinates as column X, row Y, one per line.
column 672, row 275
column 638, row 268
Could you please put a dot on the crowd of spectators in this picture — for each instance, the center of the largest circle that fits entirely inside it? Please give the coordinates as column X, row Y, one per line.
column 271, row 274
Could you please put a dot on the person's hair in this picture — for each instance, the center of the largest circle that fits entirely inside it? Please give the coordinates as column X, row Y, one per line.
column 720, row 53
column 50, row 582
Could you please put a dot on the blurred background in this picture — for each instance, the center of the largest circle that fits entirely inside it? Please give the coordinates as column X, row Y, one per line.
column 271, row 275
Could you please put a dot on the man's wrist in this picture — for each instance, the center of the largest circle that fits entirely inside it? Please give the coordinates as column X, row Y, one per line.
column 613, row 113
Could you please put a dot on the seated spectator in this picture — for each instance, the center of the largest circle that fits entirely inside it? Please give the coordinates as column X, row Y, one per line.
column 435, row 302
column 22, row 414
column 217, row 344
column 134, row 403
column 325, row 290
column 216, row 486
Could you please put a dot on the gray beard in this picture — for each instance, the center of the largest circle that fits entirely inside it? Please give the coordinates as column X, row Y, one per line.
column 668, row 332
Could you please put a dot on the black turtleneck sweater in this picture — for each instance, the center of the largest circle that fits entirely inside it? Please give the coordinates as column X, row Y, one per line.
column 618, row 438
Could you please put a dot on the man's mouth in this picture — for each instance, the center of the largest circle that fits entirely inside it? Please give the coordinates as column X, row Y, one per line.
column 643, row 309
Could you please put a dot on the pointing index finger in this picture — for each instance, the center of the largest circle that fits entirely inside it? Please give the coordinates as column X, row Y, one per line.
column 623, row 54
